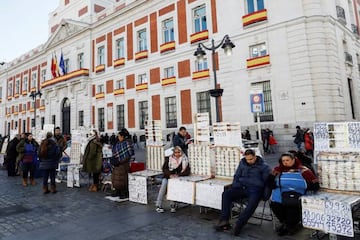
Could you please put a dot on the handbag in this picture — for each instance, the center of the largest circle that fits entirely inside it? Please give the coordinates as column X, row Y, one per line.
column 291, row 199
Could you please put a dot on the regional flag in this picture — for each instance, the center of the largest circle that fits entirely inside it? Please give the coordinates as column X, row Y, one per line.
column 62, row 64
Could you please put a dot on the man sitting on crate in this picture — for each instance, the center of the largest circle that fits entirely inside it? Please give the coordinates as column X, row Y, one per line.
column 249, row 182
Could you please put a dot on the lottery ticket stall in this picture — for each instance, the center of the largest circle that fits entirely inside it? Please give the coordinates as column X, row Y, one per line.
column 73, row 166
column 183, row 189
column 141, row 182
column 335, row 209
column 227, row 153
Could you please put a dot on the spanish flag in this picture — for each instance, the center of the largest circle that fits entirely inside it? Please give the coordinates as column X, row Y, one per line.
column 53, row 66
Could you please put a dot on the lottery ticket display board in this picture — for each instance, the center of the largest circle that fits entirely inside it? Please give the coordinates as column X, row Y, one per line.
column 202, row 128
column 329, row 212
column 337, row 137
column 337, row 147
column 227, row 134
column 153, row 133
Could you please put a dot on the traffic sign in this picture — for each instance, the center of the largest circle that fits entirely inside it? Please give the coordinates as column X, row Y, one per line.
column 257, row 102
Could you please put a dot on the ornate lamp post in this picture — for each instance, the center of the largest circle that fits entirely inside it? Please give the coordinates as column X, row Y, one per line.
column 34, row 94
column 227, row 45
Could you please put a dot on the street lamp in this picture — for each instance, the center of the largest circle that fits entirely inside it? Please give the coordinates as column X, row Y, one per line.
column 33, row 95
column 225, row 44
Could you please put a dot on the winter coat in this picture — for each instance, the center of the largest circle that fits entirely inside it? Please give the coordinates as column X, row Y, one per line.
column 93, row 157
column 251, row 176
column 11, row 153
column 309, row 142
column 20, row 148
column 299, row 136
column 179, row 140
column 167, row 172
column 119, row 176
column 61, row 142
column 52, row 157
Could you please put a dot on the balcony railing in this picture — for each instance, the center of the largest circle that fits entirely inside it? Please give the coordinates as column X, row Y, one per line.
column 355, row 29
column 340, row 13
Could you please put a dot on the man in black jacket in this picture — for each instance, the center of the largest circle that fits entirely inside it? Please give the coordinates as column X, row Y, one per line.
column 11, row 155
column 181, row 141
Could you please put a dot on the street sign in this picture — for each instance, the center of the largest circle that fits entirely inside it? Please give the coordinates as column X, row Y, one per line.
column 257, row 102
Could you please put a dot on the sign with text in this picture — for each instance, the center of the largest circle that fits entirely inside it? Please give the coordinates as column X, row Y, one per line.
column 328, row 215
column 257, row 102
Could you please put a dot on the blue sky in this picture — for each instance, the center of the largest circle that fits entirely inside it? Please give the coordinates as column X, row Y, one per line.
column 23, row 26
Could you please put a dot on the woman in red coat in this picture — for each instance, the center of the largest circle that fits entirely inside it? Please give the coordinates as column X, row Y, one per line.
column 309, row 142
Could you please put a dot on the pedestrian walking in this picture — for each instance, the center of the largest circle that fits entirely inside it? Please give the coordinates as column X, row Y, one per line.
column 299, row 137
column 272, row 144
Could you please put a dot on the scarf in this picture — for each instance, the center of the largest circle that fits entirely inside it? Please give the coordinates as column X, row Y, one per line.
column 174, row 162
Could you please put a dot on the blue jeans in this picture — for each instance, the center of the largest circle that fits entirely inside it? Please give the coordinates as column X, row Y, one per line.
column 46, row 174
column 253, row 195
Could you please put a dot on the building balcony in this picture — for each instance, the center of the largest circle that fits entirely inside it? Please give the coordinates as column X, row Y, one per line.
column 23, row 111
column 166, row 47
column 24, row 93
column 199, row 36
column 33, row 89
column 254, row 17
column 258, row 61
column 141, row 55
column 71, row 75
column 31, row 110
column 0, row 100
column 201, row 74
column 119, row 91
column 100, row 95
column 16, row 113
column 100, row 68
column 9, row 98
column 8, row 115
column 16, row 95
column 168, row 81
column 141, row 86
column 42, row 108
column 119, row 62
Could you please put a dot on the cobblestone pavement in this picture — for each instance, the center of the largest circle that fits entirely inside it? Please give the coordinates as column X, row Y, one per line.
column 75, row 213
